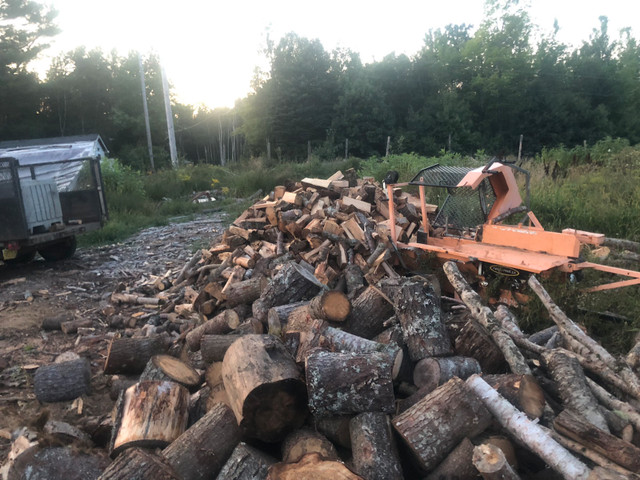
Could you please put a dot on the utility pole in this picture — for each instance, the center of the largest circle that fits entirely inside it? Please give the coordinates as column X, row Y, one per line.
column 169, row 114
column 145, row 107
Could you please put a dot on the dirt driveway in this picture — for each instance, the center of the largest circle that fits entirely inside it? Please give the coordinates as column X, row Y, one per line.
column 79, row 287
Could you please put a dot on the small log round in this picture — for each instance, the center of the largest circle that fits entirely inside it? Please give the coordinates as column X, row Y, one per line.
column 202, row 450
column 168, row 368
column 433, row 372
column 368, row 313
column 333, row 306
column 130, row 355
column 60, row 382
column 246, row 463
column 245, row 292
column 150, row 415
column 492, row 464
column 301, row 442
column 344, row 383
column 375, row 456
column 224, row 322
column 265, row 387
column 72, row 326
column 214, row 347
column 139, row 464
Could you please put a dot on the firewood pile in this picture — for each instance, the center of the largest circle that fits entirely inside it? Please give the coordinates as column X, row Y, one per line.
column 299, row 346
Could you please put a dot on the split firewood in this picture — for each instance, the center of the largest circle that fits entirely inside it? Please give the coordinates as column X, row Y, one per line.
column 343, row 383
column 528, row 432
column 130, row 355
column 246, row 463
column 168, row 368
column 429, row 429
column 375, row 456
column 486, row 318
column 224, row 322
column 62, row 381
column 265, row 388
column 150, row 415
column 304, row 441
column 202, row 450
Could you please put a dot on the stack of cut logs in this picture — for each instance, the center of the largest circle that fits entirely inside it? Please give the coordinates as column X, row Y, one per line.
column 316, row 356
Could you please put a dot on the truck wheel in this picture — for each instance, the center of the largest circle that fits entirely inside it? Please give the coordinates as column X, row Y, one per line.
column 59, row 250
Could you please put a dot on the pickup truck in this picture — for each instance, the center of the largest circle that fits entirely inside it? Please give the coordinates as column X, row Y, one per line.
column 45, row 201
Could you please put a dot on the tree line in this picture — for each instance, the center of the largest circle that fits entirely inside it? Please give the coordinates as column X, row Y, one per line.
column 467, row 89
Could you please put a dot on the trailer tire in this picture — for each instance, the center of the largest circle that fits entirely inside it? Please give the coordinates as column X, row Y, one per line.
column 60, row 250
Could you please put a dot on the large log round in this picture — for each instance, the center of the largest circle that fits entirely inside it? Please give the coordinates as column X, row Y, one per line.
column 63, row 381
column 265, row 387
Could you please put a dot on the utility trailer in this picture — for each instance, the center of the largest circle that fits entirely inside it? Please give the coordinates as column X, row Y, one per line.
column 469, row 226
column 46, row 201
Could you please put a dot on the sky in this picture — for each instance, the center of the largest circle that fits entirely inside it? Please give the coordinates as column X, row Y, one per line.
column 210, row 48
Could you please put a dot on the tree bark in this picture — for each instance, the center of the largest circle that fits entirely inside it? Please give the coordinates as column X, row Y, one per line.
column 431, row 431
column 572, row 386
column 150, row 415
column 301, row 442
column 474, row 342
column 492, row 464
column 264, row 385
column 130, row 355
column 418, row 310
column 335, row 429
column 458, row 464
column 430, row 373
column 202, row 450
column 485, row 317
column 246, row 291
column 224, row 322
column 344, row 383
column 368, row 313
column 139, row 464
column 277, row 317
column 59, row 382
column 170, row 369
column 375, row 456
column 527, row 432
column 620, row 452
column 292, row 283
column 246, row 463
column 214, row 347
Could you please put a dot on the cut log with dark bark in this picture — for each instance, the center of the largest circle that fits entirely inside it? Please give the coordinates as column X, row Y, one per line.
column 246, row 463
column 150, row 415
column 301, row 442
column 72, row 326
column 213, row 347
column 170, row 369
column 139, row 464
column 291, row 284
column 485, row 317
column 335, row 428
column 202, row 450
column 246, row 291
column 431, row 431
column 55, row 322
column 418, row 310
column 130, row 355
column 458, row 464
column 224, row 322
column 620, row 452
column 543, row 336
column 63, row 381
column 528, row 432
column 335, row 340
column 333, row 306
column 492, row 464
column 344, row 383
column 368, row 313
column 375, row 456
column 265, row 387
column 473, row 341
column 311, row 467
column 573, row 388
column 522, row 391
column 432, row 372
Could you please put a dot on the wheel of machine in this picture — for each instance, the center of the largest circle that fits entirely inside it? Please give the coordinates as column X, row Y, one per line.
column 59, row 250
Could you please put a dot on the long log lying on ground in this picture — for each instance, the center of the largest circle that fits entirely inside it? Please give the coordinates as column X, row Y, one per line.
column 63, row 381
column 528, row 432
column 431, row 431
column 484, row 315
column 265, row 387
